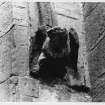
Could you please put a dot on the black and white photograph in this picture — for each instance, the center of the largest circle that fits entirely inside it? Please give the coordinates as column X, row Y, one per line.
column 52, row 51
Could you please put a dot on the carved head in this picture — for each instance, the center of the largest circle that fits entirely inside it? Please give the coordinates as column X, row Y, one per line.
column 57, row 42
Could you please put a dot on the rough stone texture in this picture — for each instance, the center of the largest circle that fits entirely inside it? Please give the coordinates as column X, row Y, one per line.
column 5, row 15
column 60, row 93
column 46, row 14
column 13, row 89
column 18, row 21
column 20, row 61
column 28, row 89
column 94, row 18
column 4, row 92
column 24, row 89
column 5, row 55
column 14, row 53
column 21, row 39
column 33, row 14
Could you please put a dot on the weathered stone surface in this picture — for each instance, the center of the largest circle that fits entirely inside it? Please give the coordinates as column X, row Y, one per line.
column 69, row 9
column 4, row 76
column 21, row 35
column 20, row 60
column 4, row 92
column 20, row 15
column 99, row 90
column 13, row 49
column 24, row 98
column 28, row 87
column 46, row 14
column 19, row 4
column 5, row 15
column 5, row 48
column 19, row 53
column 60, row 93
column 33, row 14
column 5, row 43
column 89, row 8
column 13, row 89
column 5, row 56
column 94, row 27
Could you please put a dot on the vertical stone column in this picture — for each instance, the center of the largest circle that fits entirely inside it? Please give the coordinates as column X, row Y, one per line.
column 15, row 31
column 29, row 19
column 25, row 18
column 94, row 22
column 6, row 31
column 46, row 14
column 19, row 21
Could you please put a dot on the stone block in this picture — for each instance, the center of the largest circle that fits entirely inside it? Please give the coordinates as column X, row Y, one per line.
column 21, row 35
column 28, row 87
column 19, row 4
column 20, row 60
column 5, row 53
column 5, row 15
column 69, row 9
column 33, row 17
column 24, row 98
column 20, row 14
column 13, row 89
column 94, row 27
column 4, row 92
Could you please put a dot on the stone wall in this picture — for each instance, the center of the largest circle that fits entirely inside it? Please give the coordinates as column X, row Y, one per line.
column 5, row 48
column 18, row 22
column 15, row 84
column 46, row 14
column 94, row 22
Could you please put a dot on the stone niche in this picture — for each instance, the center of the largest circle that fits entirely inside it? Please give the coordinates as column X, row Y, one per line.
column 19, row 21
